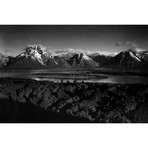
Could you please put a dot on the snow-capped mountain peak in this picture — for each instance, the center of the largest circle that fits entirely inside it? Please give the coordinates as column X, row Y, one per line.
column 34, row 49
column 135, row 54
column 82, row 60
column 35, row 52
column 129, row 58
column 36, row 57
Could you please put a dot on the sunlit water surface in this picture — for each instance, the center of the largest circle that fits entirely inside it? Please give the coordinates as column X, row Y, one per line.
column 57, row 76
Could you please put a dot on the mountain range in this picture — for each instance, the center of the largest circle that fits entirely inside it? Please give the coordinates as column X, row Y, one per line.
column 128, row 59
column 38, row 57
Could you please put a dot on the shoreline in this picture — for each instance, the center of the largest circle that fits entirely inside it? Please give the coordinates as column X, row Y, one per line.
column 67, row 81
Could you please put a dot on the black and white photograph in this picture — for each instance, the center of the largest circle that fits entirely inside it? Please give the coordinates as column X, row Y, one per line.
column 73, row 73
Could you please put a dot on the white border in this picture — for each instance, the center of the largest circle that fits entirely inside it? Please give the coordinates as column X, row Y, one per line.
column 73, row 135
column 73, row 12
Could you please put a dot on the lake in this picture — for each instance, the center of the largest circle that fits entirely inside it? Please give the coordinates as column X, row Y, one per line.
column 86, row 76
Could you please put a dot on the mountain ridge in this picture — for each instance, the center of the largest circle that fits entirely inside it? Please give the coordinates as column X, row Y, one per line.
column 38, row 57
column 129, row 58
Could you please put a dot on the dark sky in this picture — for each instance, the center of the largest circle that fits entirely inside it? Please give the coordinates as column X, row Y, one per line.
column 13, row 39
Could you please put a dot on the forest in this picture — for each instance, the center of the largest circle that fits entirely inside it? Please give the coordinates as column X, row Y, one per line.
column 43, row 101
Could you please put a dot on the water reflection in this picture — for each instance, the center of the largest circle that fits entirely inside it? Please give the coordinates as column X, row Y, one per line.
column 85, row 76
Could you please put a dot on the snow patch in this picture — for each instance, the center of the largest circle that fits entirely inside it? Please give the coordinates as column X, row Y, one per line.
column 135, row 57
column 86, row 57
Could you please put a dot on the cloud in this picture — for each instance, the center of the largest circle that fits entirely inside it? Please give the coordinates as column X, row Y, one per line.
column 132, row 45
column 76, row 51
column 7, row 50
column 107, row 53
column 69, row 50
column 128, row 44
column 119, row 44
column 139, row 50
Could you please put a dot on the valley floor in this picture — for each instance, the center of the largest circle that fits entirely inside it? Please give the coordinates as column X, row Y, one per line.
column 33, row 101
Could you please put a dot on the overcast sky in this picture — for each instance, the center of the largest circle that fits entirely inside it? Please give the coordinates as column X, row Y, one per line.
column 13, row 39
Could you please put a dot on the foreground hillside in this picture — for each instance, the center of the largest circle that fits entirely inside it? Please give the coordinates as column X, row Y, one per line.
column 33, row 101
